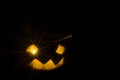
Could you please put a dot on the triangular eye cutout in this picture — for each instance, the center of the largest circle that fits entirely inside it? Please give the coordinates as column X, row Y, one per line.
column 60, row 49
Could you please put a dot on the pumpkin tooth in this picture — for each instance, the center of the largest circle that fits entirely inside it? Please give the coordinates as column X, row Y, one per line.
column 36, row 64
column 49, row 65
column 60, row 62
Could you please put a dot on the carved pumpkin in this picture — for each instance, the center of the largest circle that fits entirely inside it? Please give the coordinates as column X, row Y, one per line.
column 46, row 54
column 38, row 64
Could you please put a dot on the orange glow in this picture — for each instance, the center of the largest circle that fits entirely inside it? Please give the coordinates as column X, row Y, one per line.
column 32, row 49
column 49, row 65
column 60, row 49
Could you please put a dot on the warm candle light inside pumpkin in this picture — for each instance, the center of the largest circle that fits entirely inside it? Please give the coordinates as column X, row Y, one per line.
column 32, row 49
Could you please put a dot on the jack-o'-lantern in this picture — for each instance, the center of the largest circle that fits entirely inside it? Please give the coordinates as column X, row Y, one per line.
column 38, row 64
column 47, row 54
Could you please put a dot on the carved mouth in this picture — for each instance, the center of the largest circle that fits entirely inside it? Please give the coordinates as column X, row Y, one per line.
column 49, row 65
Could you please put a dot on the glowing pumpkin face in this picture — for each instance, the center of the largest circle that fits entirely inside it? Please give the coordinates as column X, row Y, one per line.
column 39, row 64
column 40, row 50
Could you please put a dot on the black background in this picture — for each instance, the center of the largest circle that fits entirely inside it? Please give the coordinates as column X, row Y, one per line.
column 90, row 45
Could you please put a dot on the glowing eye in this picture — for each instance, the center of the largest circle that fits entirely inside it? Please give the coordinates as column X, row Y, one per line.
column 32, row 49
column 60, row 49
